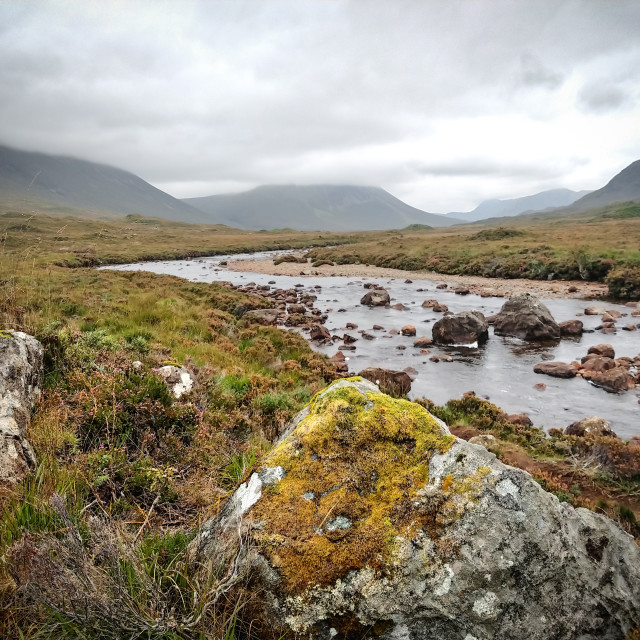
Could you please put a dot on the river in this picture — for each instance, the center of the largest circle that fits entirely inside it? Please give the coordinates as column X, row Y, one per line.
column 501, row 370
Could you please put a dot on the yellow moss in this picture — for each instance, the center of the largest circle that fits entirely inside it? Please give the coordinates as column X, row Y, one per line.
column 447, row 483
column 360, row 457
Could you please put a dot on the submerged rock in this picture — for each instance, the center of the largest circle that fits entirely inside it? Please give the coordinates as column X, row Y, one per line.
column 525, row 317
column 369, row 515
column 21, row 370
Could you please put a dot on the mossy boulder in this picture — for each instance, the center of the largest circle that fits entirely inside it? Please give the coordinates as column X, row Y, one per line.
column 368, row 515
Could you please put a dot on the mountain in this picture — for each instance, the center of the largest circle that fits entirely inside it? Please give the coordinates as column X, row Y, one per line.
column 68, row 182
column 316, row 208
column 516, row 206
column 624, row 187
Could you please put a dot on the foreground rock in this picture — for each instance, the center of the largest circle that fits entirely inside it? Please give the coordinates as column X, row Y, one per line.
column 525, row 317
column 468, row 327
column 21, row 370
column 395, row 383
column 178, row 379
column 370, row 516
column 594, row 426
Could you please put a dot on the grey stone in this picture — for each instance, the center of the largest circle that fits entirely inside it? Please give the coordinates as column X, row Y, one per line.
column 525, row 317
column 21, row 370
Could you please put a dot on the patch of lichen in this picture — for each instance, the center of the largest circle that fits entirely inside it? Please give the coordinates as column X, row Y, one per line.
column 359, row 456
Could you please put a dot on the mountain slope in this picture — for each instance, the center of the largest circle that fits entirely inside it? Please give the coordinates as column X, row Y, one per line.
column 623, row 187
column 69, row 182
column 516, row 206
column 316, row 208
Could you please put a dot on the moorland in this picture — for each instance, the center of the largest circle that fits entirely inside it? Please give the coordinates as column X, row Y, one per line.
column 120, row 459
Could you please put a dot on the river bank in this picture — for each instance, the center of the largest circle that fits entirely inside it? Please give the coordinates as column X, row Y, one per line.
column 485, row 287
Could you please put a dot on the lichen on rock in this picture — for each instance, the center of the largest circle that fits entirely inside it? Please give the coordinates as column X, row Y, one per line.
column 364, row 456
column 369, row 517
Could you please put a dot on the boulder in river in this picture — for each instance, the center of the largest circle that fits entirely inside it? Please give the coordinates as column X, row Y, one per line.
column 605, row 350
column 556, row 369
column 370, row 515
column 320, row 333
column 376, row 298
column 571, row 328
column 614, row 380
column 408, row 330
column 525, row 317
column 467, row 327
column 21, row 370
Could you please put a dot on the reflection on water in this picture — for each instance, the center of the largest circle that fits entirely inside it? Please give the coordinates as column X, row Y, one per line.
column 501, row 370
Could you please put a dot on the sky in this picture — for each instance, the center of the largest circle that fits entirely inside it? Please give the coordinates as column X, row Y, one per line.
column 443, row 103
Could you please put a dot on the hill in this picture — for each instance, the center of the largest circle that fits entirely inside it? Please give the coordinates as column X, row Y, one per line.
column 623, row 187
column 79, row 184
column 515, row 206
column 316, row 207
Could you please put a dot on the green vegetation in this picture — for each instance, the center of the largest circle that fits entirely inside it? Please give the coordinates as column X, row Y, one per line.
column 122, row 462
column 600, row 245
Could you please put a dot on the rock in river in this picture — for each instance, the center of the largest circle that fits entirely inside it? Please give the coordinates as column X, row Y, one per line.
column 525, row 317
column 556, row 369
column 369, row 515
column 376, row 298
column 467, row 327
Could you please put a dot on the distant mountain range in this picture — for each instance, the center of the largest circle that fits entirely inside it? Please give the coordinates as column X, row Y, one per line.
column 516, row 206
column 96, row 190
column 316, row 207
column 83, row 185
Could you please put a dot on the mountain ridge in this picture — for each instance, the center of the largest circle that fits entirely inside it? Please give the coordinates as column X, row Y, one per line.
column 81, row 184
column 316, row 208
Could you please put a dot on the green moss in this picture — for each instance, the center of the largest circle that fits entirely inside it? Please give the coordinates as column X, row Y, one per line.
column 359, row 457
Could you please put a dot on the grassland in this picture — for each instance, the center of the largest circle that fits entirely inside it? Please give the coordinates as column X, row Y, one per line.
column 601, row 246
column 93, row 543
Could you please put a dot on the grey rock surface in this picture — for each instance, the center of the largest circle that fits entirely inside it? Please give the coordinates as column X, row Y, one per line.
column 376, row 298
column 490, row 555
column 467, row 327
column 21, row 370
column 525, row 317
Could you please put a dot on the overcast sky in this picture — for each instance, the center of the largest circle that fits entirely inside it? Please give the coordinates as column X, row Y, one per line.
column 444, row 103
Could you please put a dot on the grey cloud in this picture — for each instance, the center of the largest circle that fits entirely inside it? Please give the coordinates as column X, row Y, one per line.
column 237, row 93
column 602, row 98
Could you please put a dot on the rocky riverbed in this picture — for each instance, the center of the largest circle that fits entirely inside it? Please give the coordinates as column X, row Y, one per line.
column 501, row 369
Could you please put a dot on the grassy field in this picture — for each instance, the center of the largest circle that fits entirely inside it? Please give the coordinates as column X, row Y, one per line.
column 93, row 543
column 602, row 245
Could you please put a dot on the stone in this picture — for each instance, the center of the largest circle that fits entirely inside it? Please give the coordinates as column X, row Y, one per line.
column 21, row 371
column 594, row 426
column 614, row 380
column 399, row 307
column 442, row 285
column 178, row 379
column 348, row 339
column 605, row 350
column 423, row 342
column 540, row 386
column 394, row 383
column 351, row 325
column 597, row 364
column 369, row 515
column 408, row 330
column 320, row 333
column 338, row 357
column 571, row 328
column 556, row 369
column 262, row 316
column 378, row 327
column 461, row 291
column 467, row 327
column 485, row 440
column 297, row 308
column 594, row 311
column 525, row 317
column 376, row 298
column 520, row 418
column 429, row 304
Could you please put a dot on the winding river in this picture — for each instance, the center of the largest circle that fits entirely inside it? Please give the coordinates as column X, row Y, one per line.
column 501, row 370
